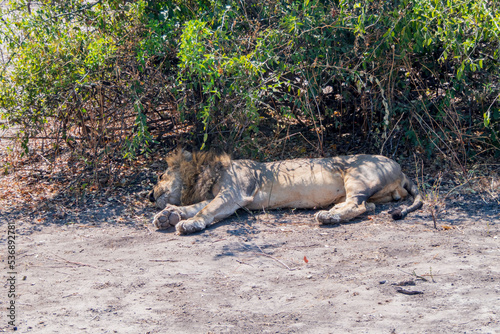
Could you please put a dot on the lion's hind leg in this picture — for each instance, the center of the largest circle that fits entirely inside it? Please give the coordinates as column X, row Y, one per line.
column 357, row 195
column 343, row 212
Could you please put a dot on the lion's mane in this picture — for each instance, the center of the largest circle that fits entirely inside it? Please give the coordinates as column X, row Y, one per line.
column 199, row 172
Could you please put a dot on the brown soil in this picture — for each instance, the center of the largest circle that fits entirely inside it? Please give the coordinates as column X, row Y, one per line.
column 99, row 267
column 90, row 263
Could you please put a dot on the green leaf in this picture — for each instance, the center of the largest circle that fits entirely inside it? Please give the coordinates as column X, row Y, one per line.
column 487, row 119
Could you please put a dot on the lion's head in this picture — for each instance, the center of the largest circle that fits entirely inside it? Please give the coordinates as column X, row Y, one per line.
column 189, row 178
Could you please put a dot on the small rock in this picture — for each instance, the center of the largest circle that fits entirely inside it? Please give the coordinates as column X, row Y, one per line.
column 60, row 214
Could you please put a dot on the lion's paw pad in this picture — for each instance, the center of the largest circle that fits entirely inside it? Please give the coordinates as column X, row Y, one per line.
column 166, row 219
column 326, row 217
column 190, row 226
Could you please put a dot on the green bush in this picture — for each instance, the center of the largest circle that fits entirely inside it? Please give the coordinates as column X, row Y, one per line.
column 117, row 74
column 63, row 70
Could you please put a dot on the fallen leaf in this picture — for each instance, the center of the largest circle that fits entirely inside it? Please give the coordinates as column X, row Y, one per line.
column 305, row 259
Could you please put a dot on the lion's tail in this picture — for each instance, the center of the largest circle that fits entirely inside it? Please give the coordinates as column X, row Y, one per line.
column 412, row 189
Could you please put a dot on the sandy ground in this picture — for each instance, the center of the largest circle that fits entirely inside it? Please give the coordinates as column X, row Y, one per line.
column 104, row 269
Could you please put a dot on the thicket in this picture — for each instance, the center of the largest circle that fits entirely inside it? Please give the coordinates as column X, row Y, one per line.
column 109, row 76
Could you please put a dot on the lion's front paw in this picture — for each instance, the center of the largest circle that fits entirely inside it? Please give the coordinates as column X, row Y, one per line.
column 170, row 216
column 190, row 226
column 326, row 217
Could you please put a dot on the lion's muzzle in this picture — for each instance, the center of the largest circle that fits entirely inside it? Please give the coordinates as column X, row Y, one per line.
column 151, row 196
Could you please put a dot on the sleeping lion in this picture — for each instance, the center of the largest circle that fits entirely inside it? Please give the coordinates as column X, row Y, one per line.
column 201, row 188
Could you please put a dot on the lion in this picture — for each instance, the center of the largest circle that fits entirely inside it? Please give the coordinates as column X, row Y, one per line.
column 201, row 188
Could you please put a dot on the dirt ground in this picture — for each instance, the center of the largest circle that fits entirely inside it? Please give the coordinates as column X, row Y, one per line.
column 100, row 267
column 92, row 263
